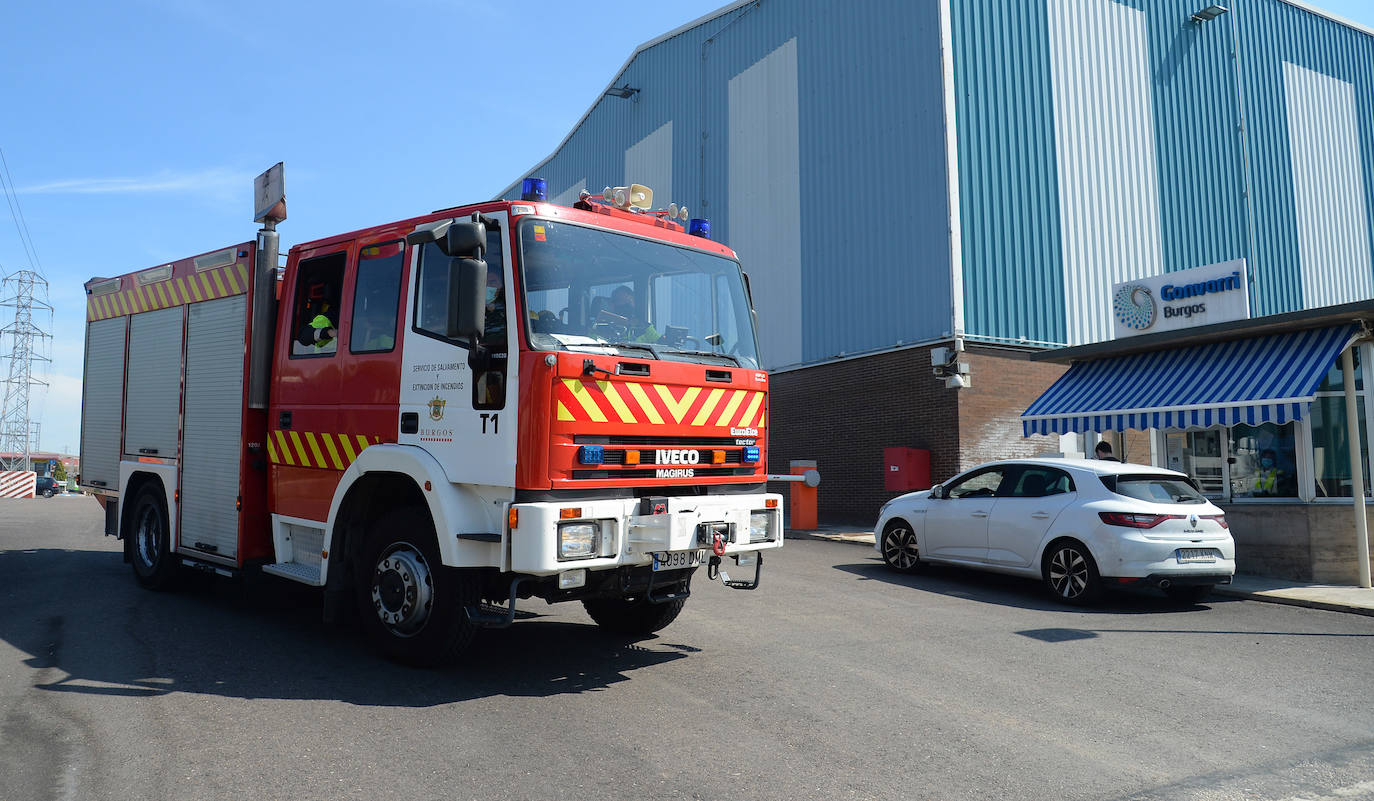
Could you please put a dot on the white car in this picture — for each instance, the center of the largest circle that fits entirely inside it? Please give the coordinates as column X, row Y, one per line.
column 1081, row 525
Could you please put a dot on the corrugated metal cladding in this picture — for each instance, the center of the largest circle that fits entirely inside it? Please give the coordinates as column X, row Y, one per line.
column 1100, row 140
column 811, row 133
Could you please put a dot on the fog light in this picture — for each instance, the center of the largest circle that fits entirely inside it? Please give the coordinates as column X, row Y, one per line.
column 572, row 579
column 578, row 540
column 761, row 526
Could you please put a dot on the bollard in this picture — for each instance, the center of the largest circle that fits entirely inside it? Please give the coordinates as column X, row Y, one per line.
column 802, row 497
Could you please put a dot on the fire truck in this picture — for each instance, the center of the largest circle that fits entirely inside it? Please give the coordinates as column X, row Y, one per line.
column 434, row 418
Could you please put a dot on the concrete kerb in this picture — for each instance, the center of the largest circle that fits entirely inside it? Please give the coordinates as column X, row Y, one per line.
column 1353, row 600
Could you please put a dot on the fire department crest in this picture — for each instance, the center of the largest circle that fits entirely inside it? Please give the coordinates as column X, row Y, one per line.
column 436, row 408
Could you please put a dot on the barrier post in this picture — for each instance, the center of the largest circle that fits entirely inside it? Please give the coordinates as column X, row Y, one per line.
column 802, row 497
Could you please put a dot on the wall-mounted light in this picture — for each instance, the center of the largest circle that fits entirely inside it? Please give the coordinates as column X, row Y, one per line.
column 622, row 92
column 1210, row 12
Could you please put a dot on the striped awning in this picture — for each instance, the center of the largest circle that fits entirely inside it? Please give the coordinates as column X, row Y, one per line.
column 1265, row 379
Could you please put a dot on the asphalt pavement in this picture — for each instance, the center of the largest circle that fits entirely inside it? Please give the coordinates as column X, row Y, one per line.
column 836, row 679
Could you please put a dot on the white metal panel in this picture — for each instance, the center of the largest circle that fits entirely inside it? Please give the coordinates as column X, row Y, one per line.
column 1328, row 188
column 650, row 162
column 1105, row 148
column 213, row 439
column 102, row 399
column 765, row 197
column 571, row 195
column 152, row 403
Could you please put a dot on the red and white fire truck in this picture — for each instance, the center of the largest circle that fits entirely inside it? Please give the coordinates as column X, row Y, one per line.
column 436, row 417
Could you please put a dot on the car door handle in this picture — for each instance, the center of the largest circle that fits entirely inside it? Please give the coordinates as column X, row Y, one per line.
column 980, row 514
column 1040, row 515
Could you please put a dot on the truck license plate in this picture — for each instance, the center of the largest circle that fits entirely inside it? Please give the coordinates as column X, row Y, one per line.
column 677, row 560
column 1196, row 555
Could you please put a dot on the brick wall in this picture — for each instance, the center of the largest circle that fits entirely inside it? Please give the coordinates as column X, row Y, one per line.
column 1002, row 384
column 843, row 414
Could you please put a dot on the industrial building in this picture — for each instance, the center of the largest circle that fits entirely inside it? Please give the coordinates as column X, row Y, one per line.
column 982, row 176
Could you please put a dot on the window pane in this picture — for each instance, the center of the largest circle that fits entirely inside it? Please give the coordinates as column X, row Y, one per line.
column 983, row 485
column 315, row 318
column 1155, row 489
column 431, row 293
column 1333, row 381
column 1330, row 447
column 376, row 297
column 1266, row 461
column 1198, row 455
column 1037, row 482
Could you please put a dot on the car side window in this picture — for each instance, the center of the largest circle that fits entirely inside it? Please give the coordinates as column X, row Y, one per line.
column 978, row 485
column 1038, row 482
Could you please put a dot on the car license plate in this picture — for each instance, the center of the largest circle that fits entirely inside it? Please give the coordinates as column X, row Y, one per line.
column 677, row 560
column 1196, row 555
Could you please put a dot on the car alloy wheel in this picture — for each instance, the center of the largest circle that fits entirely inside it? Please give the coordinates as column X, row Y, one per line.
column 1071, row 573
column 899, row 547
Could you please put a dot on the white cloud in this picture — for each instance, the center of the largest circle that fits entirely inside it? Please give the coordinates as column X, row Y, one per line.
column 215, row 181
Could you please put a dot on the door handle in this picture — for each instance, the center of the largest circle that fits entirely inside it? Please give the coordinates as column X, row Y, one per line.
column 1040, row 515
column 980, row 514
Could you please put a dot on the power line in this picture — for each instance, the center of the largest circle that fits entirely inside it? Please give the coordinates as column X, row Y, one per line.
column 17, row 212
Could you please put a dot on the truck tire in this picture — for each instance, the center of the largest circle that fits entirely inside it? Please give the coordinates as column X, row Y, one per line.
column 412, row 606
column 149, row 539
column 632, row 616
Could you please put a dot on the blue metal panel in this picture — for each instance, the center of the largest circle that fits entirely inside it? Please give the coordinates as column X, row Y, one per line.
column 1009, row 206
column 874, row 223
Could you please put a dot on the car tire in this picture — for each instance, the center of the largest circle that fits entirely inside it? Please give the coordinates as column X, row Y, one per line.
column 1188, row 593
column 47, row 493
column 413, row 608
column 150, row 539
column 1070, row 572
column 899, row 547
column 635, row 617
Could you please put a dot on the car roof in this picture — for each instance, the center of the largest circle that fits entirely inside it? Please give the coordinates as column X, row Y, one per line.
column 1098, row 466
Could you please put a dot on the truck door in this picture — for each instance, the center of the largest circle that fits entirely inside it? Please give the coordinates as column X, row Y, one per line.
column 308, row 379
column 458, row 397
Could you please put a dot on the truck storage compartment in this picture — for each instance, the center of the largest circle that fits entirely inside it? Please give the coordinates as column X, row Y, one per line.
column 152, row 406
column 212, row 442
column 102, row 401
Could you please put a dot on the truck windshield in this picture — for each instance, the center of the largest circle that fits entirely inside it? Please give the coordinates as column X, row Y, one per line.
column 595, row 291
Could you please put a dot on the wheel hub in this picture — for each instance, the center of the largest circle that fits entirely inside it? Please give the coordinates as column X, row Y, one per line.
column 148, row 539
column 1068, row 573
column 402, row 589
column 899, row 546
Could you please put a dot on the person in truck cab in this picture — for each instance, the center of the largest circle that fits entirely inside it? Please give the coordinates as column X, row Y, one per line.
column 624, row 311
column 319, row 330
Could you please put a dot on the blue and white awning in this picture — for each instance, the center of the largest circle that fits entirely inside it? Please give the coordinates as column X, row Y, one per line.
column 1266, row 379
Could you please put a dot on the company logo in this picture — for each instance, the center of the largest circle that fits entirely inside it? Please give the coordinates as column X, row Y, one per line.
column 436, row 408
column 674, row 472
column 1134, row 307
column 1192, row 521
column 684, row 456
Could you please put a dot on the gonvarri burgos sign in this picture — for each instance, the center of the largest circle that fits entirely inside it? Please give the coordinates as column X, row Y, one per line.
column 1185, row 299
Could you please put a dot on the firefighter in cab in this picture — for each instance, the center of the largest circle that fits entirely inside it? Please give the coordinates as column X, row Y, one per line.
column 318, row 333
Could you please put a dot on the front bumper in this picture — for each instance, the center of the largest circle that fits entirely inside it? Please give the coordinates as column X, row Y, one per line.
column 628, row 538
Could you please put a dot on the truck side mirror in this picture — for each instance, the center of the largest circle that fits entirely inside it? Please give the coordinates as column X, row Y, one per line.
column 467, row 308
column 466, row 240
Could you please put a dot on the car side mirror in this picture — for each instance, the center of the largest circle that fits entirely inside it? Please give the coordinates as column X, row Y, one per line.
column 937, row 491
column 467, row 310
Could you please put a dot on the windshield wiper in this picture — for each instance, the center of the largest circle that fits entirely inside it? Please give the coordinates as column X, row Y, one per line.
column 638, row 346
column 712, row 354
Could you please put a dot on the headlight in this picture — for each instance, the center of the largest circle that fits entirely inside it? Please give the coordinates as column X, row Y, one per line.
column 761, row 526
column 578, row 540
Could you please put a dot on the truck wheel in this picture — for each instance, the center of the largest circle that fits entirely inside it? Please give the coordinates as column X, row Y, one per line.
column 632, row 616
column 412, row 606
column 154, row 564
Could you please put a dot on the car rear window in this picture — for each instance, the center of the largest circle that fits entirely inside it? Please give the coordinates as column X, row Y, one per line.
column 1155, row 489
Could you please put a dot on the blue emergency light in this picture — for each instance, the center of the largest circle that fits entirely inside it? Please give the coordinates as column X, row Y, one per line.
column 751, row 454
column 699, row 226
column 534, row 189
column 591, row 454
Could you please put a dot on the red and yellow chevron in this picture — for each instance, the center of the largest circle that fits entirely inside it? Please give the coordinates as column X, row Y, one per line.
column 221, row 282
column 325, row 451
column 657, row 404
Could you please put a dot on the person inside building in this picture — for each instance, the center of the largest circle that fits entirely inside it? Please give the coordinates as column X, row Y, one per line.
column 1103, row 451
column 623, row 310
column 1269, row 479
column 318, row 332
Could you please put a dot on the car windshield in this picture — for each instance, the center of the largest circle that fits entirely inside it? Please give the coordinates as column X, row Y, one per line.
column 595, row 291
column 1155, row 489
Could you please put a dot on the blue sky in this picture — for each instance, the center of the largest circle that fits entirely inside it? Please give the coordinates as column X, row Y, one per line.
column 133, row 129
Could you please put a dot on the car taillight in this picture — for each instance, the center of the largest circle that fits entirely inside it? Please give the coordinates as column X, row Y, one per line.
column 1133, row 520
column 1221, row 520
